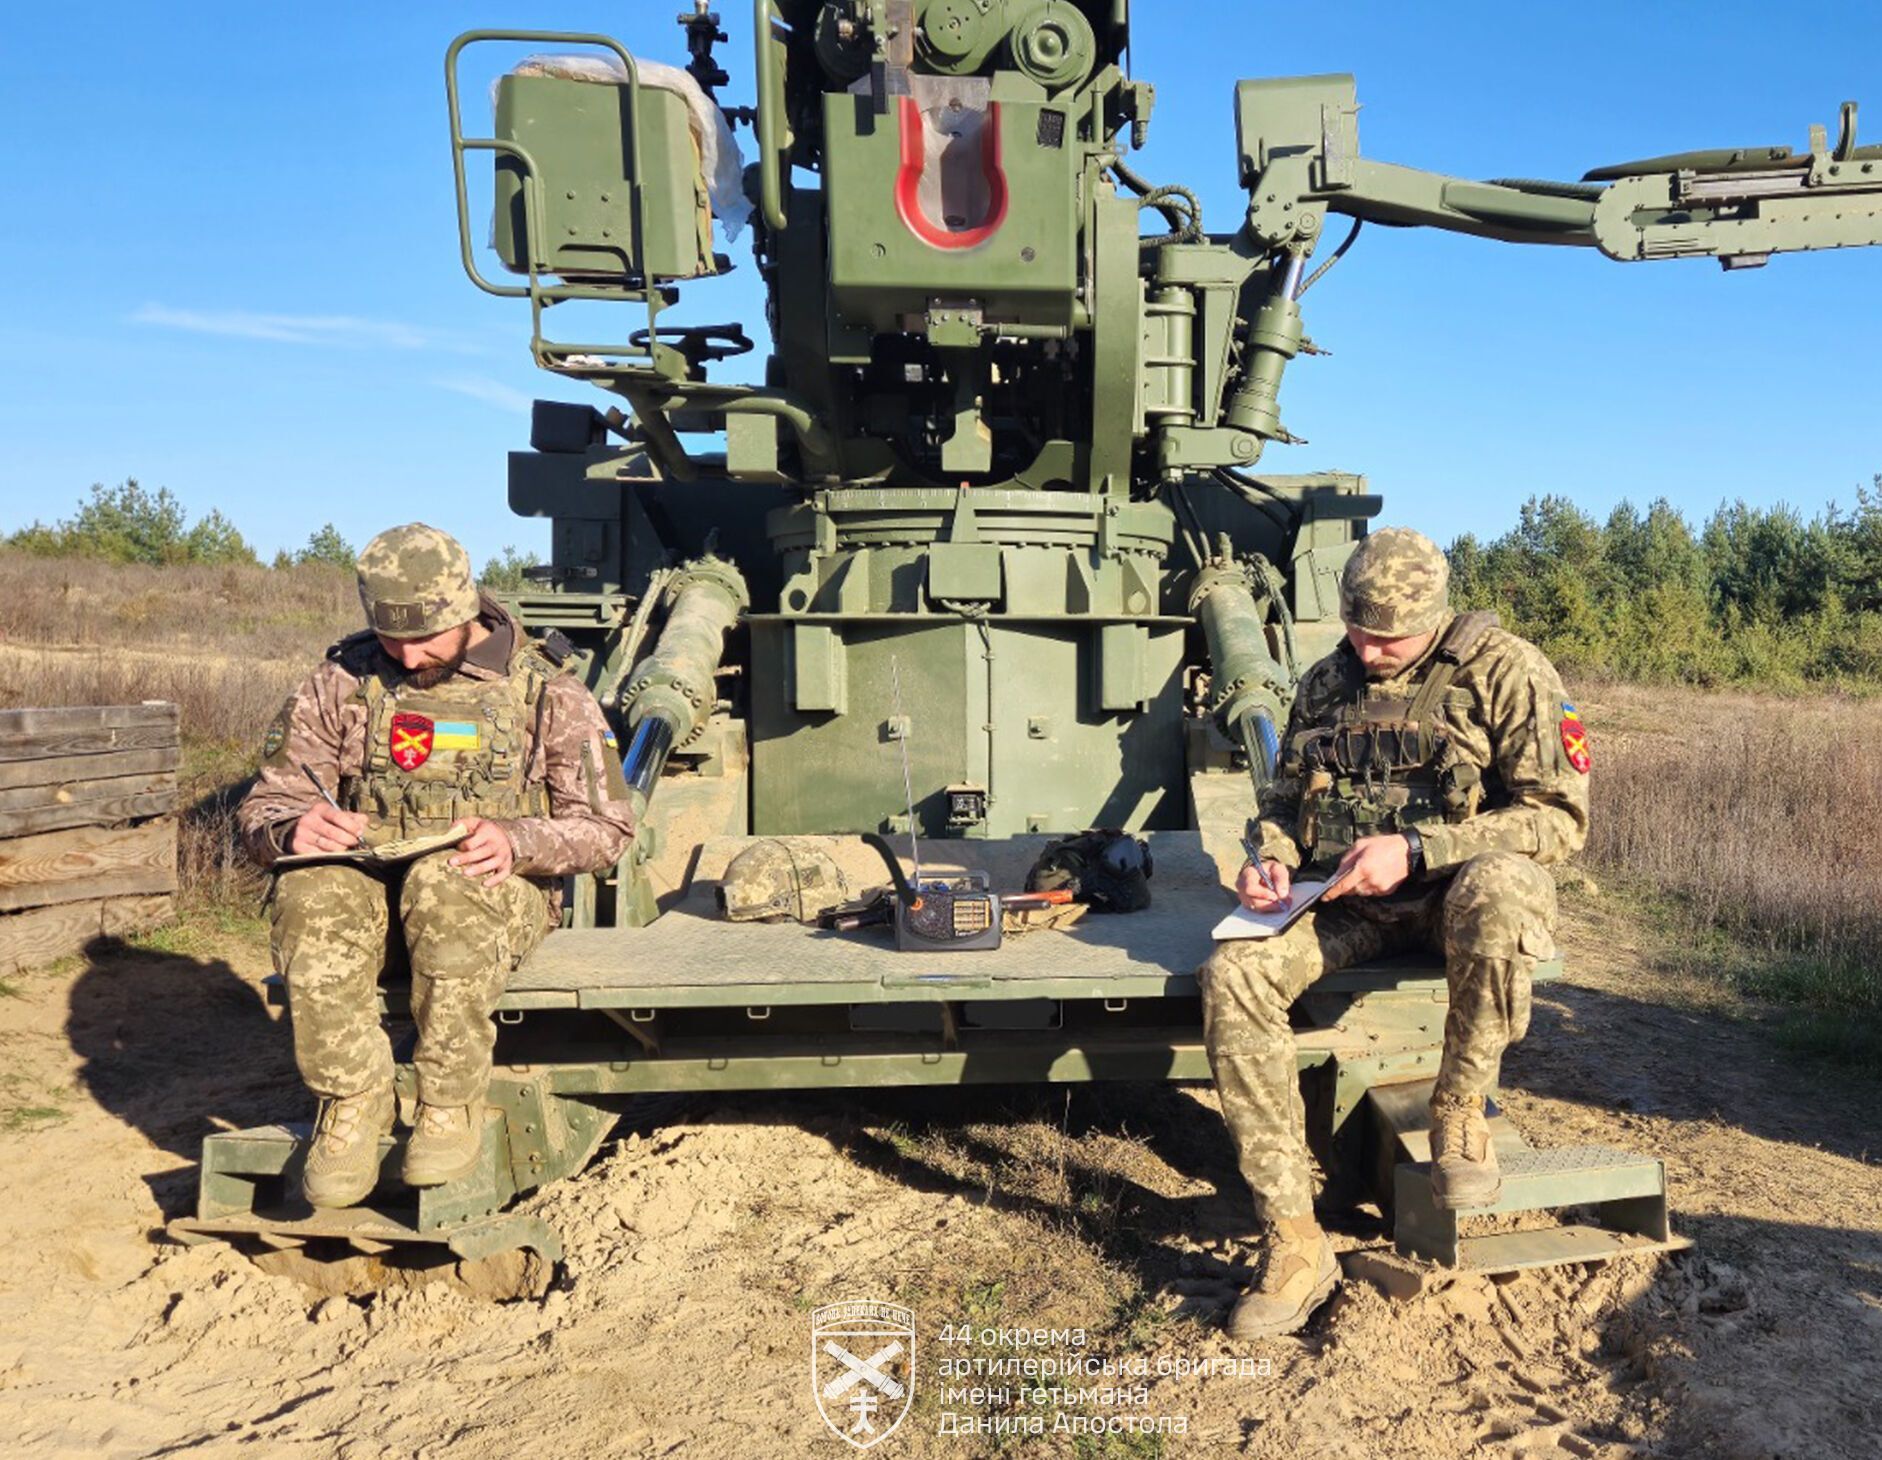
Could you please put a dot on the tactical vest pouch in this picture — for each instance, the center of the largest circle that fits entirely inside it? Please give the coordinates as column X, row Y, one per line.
column 436, row 755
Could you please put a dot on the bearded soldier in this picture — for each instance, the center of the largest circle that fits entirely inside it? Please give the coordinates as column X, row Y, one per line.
column 1434, row 762
column 442, row 714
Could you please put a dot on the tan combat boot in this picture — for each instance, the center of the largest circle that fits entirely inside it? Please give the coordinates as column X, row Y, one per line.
column 343, row 1152
column 445, row 1143
column 1298, row 1274
column 1464, row 1172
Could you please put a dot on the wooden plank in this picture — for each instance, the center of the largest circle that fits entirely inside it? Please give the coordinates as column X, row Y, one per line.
column 87, row 863
column 91, row 788
column 92, row 740
column 86, row 730
column 81, row 717
column 28, row 939
column 103, row 812
column 53, row 770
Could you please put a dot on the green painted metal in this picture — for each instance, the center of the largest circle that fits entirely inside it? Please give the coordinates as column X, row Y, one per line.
column 991, row 500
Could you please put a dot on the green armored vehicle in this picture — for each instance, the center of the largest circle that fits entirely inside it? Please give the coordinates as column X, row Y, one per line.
column 980, row 558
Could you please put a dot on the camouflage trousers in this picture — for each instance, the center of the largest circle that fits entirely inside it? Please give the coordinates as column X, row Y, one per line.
column 335, row 929
column 1493, row 921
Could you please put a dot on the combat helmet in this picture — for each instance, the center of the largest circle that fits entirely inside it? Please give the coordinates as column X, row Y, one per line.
column 415, row 581
column 1397, row 584
column 781, row 877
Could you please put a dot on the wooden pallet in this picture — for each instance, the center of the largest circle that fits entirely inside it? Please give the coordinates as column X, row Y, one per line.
column 87, row 826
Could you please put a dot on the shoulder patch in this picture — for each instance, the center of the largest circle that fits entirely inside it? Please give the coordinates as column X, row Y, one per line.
column 1575, row 739
column 276, row 739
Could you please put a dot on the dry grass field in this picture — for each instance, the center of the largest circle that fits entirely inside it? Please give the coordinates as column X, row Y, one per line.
column 1746, row 824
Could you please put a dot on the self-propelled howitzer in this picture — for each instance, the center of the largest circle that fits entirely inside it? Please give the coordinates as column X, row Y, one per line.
column 991, row 511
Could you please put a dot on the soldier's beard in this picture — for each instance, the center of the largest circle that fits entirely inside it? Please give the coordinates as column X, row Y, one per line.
column 436, row 671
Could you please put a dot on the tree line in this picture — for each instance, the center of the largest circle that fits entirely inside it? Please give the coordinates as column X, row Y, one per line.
column 1756, row 596
column 129, row 523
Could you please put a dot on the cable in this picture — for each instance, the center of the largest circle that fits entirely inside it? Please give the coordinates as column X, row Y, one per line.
column 1251, row 492
column 1180, row 206
column 1332, row 258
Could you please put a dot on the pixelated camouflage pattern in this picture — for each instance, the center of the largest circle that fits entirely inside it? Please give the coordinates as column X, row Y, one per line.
column 1493, row 921
column 336, row 927
column 326, row 725
column 1396, row 584
column 781, row 877
column 415, row 581
column 1500, row 715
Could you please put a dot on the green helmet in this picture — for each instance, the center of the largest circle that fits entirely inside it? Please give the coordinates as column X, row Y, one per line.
column 415, row 581
column 1397, row 584
column 781, row 877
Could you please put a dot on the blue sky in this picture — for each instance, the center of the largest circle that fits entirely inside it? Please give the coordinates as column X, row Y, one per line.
column 231, row 265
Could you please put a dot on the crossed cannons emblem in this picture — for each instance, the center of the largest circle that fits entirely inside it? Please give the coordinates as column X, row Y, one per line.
column 862, row 1399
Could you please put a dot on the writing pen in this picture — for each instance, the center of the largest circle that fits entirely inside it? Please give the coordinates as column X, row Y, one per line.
column 325, row 794
column 1254, row 860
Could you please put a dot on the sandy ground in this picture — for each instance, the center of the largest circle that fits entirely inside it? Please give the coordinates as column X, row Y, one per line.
column 697, row 1247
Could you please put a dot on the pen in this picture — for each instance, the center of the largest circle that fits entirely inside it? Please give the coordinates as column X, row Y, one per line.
column 1254, row 860
column 325, row 794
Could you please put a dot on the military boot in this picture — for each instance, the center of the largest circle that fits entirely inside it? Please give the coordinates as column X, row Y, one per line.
column 445, row 1143
column 1298, row 1274
column 343, row 1152
column 1464, row 1172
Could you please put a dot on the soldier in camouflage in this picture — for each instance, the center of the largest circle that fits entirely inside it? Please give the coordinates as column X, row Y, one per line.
column 442, row 714
column 1434, row 763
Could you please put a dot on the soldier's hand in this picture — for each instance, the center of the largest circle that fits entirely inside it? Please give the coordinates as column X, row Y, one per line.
column 486, row 853
column 1255, row 896
column 1373, row 867
column 323, row 828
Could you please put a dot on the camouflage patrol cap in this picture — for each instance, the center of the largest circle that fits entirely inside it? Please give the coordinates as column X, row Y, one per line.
column 1396, row 584
column 415, row 581
column 781, row 877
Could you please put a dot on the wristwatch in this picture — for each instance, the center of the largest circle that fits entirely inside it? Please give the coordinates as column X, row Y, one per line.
column 1416, row 846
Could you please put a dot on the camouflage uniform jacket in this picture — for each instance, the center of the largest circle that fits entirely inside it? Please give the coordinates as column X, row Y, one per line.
column 1505, row 712
column 570, row 760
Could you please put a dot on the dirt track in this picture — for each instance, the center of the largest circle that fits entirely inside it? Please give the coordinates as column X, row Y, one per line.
column 680, row 1325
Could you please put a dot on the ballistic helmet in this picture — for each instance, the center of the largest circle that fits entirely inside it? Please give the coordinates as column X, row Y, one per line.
column 1396, row 584
column 415, row 581
column 780, row 878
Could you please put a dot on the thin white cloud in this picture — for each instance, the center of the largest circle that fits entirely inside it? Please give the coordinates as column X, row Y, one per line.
column 339, row 330
column 490, row 392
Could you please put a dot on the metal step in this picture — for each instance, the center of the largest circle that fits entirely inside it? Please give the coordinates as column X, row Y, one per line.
column 1623, row 1193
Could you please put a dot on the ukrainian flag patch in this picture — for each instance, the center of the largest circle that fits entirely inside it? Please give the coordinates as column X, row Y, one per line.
column 454, row 735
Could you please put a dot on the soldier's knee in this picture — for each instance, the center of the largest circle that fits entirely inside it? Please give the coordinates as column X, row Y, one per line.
column 330, row 889
column 433, row 885
column 1501, row 905
column 1241, row 988
column 332, row 914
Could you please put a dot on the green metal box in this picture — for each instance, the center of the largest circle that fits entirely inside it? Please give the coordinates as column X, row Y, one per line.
column 590, row 156
column 882, row 269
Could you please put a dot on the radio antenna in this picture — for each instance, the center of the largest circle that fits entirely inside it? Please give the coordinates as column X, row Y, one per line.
column 905, row 725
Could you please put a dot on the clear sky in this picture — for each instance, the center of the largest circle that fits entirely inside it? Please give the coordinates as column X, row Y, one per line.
column 231, row 264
